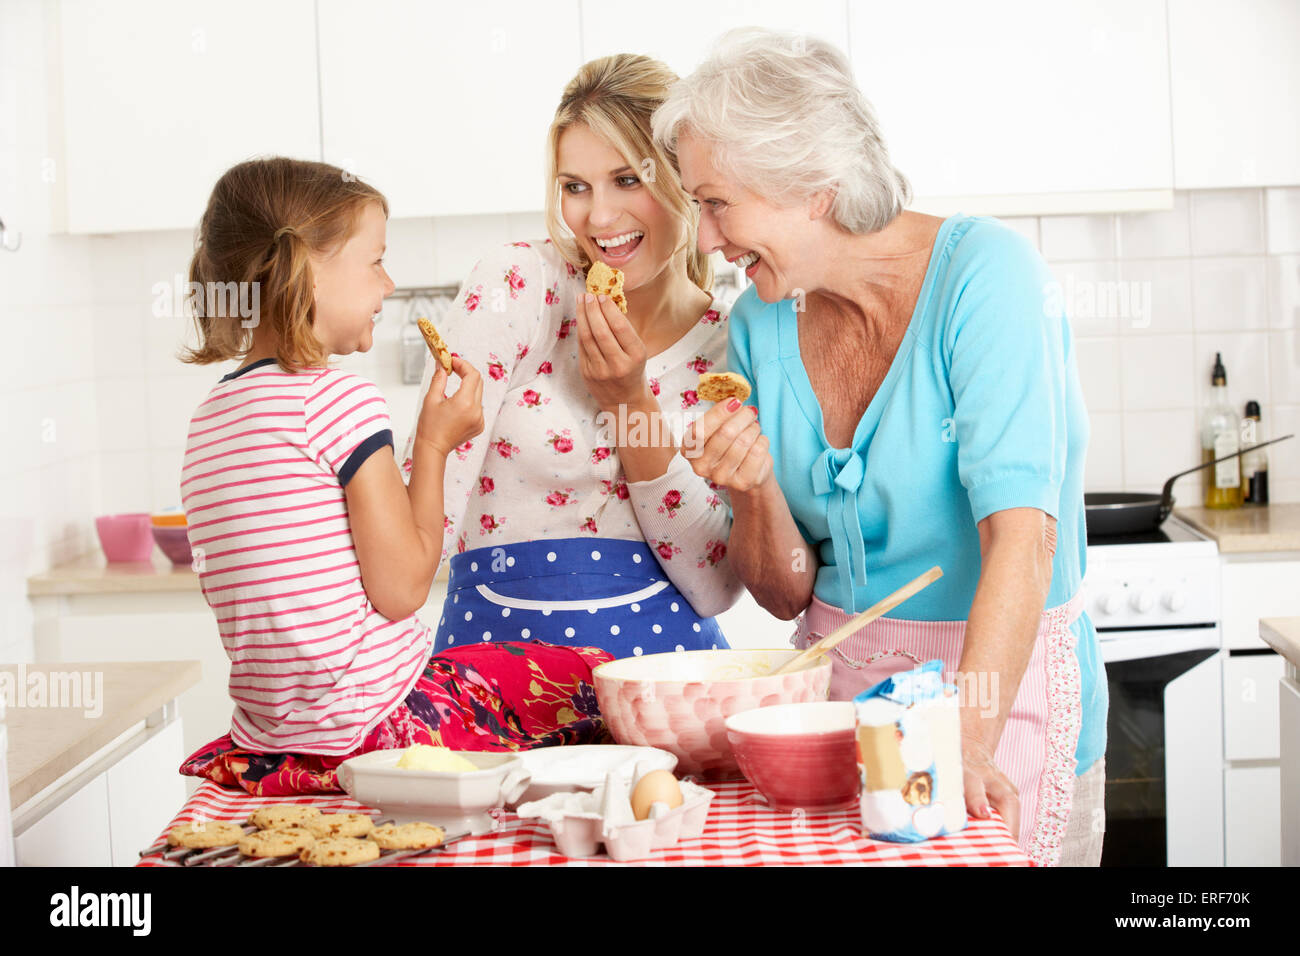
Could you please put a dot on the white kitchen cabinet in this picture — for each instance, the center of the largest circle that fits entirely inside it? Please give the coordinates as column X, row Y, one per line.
column 1289, row 713
column 681, row 31
column 1235, row 92
column 144, row 792
column 1252, row 809
column 160, row 97
column 1018, row 106
column 76, row 833
column 1256, row 586
column 1250, row 706
column 444, row 107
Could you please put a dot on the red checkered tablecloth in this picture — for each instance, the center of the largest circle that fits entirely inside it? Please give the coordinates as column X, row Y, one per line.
column 741, row 831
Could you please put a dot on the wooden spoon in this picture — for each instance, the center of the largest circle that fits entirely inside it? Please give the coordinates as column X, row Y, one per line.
column 862, row 620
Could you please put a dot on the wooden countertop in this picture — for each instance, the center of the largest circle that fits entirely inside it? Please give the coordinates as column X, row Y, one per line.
column 1283, row 635
column 1248, row 528
column 46, row 742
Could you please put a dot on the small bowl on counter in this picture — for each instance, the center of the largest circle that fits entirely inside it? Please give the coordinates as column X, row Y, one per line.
column 125, row 537
column 679, row 701
column 171, row 534
column 457, row 801
column 799, row 756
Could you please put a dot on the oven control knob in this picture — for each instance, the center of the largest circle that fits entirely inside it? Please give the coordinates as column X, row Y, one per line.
column 1109, row 603
column 1142, row 601
column 1175, row 600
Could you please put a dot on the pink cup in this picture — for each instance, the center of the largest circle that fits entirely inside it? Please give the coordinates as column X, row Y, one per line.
column 126, row 537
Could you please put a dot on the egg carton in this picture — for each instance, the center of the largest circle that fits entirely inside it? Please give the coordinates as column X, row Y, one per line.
column 580, row 835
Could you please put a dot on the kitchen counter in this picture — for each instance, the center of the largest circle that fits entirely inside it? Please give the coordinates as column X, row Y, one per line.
column 1250, row 528
column 47, row 742
column 1283, row 635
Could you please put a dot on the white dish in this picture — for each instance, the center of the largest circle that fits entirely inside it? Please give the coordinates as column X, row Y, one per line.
column 584, row 766
column 457, row 802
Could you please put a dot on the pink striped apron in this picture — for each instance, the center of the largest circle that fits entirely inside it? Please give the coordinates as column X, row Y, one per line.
column 1036, row 750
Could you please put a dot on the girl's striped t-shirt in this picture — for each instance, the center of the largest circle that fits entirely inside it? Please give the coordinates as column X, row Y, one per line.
column 313, row 665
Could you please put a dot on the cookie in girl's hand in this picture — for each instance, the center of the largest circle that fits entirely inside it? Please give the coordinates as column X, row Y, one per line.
column 435, row 342
column 604, row 280
column 719, row 386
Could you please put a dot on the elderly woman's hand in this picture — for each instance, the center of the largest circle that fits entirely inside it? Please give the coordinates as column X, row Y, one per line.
column 611, row 355
column 726, row 447
column 986, row 785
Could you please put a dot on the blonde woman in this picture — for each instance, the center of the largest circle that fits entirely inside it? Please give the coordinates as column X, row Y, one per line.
column 573, row 519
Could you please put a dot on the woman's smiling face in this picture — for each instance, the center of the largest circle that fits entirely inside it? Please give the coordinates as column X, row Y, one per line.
column 610, row 211
column 766, row 240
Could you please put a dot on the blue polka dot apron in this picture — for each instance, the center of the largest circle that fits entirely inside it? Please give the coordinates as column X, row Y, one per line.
column 579, row 592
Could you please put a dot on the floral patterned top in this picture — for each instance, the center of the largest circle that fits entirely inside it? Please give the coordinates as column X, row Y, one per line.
column 546, row 465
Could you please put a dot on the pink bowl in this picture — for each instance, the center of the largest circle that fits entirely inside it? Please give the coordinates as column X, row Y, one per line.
column 174, row 542
column 679, row 701
column 126, row 537
column 799, row 756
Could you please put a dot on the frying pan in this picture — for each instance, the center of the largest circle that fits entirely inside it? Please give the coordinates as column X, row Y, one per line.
column 1108, row 514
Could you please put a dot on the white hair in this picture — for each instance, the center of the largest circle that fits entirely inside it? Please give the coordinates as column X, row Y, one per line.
column 783, row 115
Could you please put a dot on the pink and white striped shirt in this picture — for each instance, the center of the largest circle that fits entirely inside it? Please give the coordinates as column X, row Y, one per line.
column 313, row 665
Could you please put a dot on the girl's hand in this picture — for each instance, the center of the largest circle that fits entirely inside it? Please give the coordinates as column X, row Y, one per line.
column 446, row 423
column 726, row 447
column 611, row 355
column 986, row 785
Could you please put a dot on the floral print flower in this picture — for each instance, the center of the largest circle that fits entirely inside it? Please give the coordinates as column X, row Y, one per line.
column 562, row 442
column 599, row 454
column 504, row 448
column 620, row 490
column 714, row 552
column 589, row 525
column 568, row 267
column 515, row 280
column 666, row 549
column 532, row 399
column 699, row 364
column 689, row 398
column 544, row 368
column 654, row 387
column 711, row 317
column 521, row 245
column 486, row 485
column 520, row 351
column 496, row 368
column 713, row 501
column 553, row 294
column 490, row 523
column 672, row 503
column 558, row 499
column 462, row 451
column 473, row 298
column 566, row 326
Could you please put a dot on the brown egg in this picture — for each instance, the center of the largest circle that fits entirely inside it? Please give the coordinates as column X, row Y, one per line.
column 658, row 786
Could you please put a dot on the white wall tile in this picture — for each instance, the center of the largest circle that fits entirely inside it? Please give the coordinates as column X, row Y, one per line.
column 460, row 241
column 1245, row 359
column 1227, row 222
column 122, row 405
column 1284, row 368
column 66, row 425
column 1087, row 289
column 1066, row 238
column 117, row 269
column 411, row 253
column 1144, row 235
column 46, row 270
column 1157, row 372
column 1157, row 445
column 164, row 255
column 1230, row 294
column 1282, row 218
column 165, row 479
column 1284, row 291
column 119, row 340
column 172, row 401
column 125, row 482
column 1160, row 296
column 1284, row 458
column 525, row 226
column 1099, row 374
column 1104, row 469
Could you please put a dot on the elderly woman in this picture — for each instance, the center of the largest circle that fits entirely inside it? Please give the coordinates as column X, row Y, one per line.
column 918, row 406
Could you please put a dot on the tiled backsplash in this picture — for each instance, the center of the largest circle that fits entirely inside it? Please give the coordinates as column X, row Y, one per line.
column 97, row 404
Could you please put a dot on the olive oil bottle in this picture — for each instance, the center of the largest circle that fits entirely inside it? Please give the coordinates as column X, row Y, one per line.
column 1220, row 435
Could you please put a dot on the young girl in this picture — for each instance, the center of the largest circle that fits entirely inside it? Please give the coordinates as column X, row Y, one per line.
column 311, row 552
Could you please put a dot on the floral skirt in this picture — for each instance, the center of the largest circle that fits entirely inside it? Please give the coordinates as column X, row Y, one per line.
column 499, row 696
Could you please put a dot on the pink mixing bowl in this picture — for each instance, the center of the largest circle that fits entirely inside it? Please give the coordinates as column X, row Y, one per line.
column 799, row 756
column 174, row 542
column 126, row 537
column 679, row 701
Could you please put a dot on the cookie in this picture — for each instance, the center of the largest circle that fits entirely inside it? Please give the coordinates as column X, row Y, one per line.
column 718, row 386
column 340, row 851
column 341, row 825
column 205, row 834
column 435, row 342
column 408, row 836
column 283, row 815
column 604, row 280
column 282, row 841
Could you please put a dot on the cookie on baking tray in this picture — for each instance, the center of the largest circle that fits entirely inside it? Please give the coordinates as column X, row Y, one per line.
column 437, row 345
column 340, row 851
column 604, row 280
column 280, row 841
column 341, row 825
column 719, row 386
column 205, row 834
column 408, row 836
column 283, row 815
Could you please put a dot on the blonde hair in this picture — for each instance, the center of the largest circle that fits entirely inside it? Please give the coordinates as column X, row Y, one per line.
column 614, row 97
column 264, row 221
column 785, row 117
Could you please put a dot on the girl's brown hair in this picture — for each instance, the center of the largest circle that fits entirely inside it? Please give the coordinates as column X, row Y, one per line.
column 265, row 219
column 614, row 97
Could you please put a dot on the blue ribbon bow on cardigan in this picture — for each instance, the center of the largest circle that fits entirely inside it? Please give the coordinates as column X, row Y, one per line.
column 839, row 471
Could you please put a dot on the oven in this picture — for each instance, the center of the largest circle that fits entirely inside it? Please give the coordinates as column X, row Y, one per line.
column 1154, row 599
